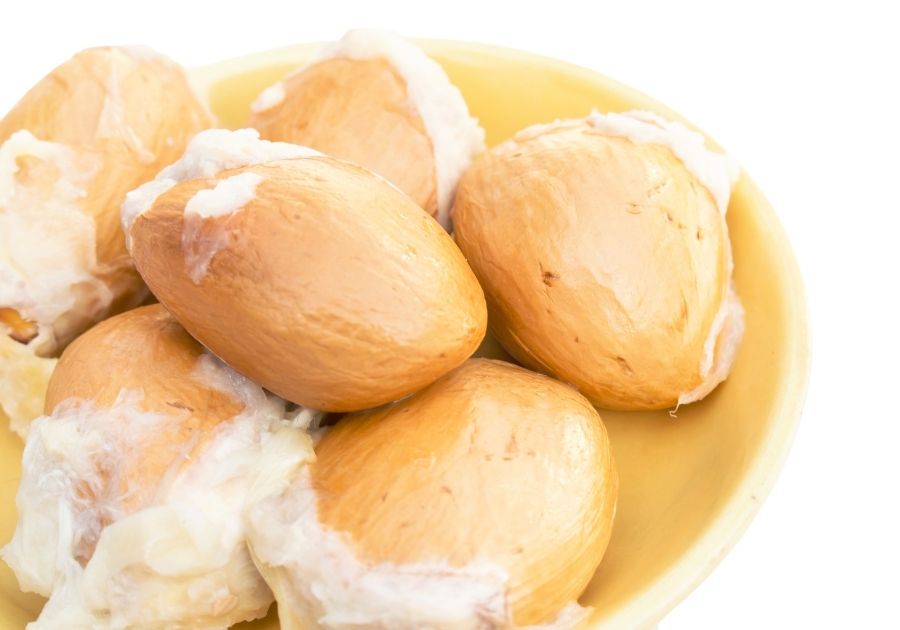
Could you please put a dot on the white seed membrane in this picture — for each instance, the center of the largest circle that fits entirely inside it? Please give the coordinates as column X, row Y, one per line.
column 271, row 97
column 716, row 171
column 209, row 153
column 456, row 137
column 48, row 259
column 227, row 197
column 720, row 348
column 318, row 581
column 112, row 123
column 170, row 550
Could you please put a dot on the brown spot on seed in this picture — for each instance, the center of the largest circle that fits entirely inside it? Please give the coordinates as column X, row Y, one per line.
column 623, row 364
column 549, row 278
column 656, row 188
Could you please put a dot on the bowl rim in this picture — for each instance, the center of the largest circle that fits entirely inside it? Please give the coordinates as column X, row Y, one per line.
column 671, row 587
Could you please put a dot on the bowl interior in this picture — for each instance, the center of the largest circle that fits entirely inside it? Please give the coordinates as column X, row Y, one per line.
column 688, row 485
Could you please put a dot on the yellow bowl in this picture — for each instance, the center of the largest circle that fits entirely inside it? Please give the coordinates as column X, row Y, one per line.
column 689, row 486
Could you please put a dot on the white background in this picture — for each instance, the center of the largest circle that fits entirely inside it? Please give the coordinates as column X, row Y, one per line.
column 806, row 97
